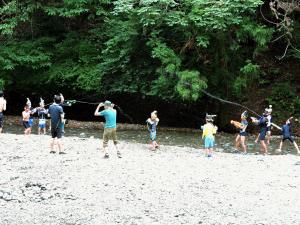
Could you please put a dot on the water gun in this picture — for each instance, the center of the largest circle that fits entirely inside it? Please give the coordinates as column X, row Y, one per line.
column 236, row 124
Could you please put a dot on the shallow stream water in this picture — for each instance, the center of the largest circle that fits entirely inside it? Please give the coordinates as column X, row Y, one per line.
column 224, row 141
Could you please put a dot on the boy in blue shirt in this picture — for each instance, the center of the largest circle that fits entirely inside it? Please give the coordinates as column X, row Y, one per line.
column 110, row 128
column 287, row 135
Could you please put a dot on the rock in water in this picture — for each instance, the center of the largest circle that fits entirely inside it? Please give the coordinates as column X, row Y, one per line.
column 277, row 151
column 82, row 135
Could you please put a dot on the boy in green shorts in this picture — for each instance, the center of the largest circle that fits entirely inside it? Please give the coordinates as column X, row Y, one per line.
column 110, row 128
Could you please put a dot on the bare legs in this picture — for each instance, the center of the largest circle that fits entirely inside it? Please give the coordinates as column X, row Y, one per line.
column 294, row 143
column 27, row 131
column 208, row 152
column 42, row 129
column 263, row 147
column 240, row 140
column 154, row 145
column 59, row 145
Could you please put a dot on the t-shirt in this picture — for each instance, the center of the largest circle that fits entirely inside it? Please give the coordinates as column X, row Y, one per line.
column 245, row 124
column 263, row 123
column 209, row 130
column 269, row 121
column 286, row 130
column 55, row 112
column 152, row 125
column 110, row 116
column 42, row 113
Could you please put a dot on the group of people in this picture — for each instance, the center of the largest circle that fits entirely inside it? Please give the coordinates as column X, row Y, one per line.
column 57, row 121
column 264, row 136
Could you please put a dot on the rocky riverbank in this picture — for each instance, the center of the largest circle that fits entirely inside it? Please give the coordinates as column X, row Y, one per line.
column 175, row 185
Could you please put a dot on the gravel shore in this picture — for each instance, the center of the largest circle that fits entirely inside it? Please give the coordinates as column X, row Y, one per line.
column 175, row 185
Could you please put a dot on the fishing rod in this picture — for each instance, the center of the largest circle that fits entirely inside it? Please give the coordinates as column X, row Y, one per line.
column 97, row 103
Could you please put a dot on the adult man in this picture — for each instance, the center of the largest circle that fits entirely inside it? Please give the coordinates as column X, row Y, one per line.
column 57, row 115
column 110, row 128
column 2, row 108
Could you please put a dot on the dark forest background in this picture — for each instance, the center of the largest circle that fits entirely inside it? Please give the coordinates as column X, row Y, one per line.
column 153, row 54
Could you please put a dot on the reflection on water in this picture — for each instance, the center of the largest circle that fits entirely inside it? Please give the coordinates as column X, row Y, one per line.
column 224, row 141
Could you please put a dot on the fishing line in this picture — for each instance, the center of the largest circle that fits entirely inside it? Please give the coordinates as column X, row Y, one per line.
column 236, row 104
column 97, row 103
column 229, row 102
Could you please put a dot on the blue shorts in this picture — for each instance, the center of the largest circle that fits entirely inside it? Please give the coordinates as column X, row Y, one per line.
column 42, row 123
column 262, row 136
column 30, row 122
column 209, row 142
column 244, row 134
column 153, row 136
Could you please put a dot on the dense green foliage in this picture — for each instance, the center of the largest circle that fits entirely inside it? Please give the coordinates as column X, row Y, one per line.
column 164, row 48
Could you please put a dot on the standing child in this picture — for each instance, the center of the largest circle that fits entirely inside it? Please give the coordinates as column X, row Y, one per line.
column 42, row 112
column 287, row 135
column 32, row 111
column 268, row 113
column 262, row 122
column 26, row 116
column 152, row 123
column 241, row 137
column 209, row 130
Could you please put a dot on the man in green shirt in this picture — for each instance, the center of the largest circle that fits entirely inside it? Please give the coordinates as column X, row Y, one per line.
column 110, row 128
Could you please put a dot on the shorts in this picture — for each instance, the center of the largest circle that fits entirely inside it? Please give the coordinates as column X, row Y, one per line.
column 243, row 134
column 42, row 123
column 152, row 135
column 109, row 134
column 290, row 138
column 56, row 132
column 1, row 119
column 42, row 126
column 209, row 142
column 26, row 124
column 262, row 136
column 30, row 122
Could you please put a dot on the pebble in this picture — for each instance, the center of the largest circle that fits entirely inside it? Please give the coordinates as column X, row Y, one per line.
column 175, row 186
